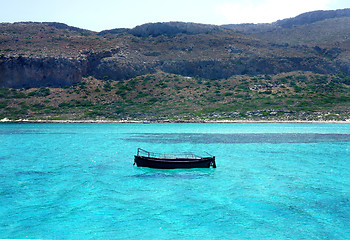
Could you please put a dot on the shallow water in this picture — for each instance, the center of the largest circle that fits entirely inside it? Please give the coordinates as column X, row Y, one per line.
column 272, row 181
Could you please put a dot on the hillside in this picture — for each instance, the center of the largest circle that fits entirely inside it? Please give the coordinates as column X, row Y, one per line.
column 325, row 28
column 295, row 68
column 53, row 54
column 169, row 97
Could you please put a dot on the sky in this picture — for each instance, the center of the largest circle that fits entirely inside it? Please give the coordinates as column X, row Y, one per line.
column 101, row 15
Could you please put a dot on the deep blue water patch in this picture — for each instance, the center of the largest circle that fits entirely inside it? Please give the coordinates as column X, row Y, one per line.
column 208, row 138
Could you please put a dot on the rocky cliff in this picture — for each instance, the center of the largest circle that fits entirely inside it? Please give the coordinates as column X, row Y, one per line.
column 25, row 72
column 54, row 54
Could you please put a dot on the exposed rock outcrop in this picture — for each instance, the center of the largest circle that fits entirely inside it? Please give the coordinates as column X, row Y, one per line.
column 19, row 72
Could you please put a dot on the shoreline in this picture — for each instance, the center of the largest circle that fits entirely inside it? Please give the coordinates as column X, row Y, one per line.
column 169, row 121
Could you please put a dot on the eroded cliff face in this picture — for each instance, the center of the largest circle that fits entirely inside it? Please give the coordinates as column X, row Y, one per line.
column 24, row 72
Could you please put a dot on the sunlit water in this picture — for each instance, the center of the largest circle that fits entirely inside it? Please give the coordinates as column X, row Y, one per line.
column 272, row 181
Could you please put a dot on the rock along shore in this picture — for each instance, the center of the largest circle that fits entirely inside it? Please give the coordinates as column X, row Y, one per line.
column 5, row 120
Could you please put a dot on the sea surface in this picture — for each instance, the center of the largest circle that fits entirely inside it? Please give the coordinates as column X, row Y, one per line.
column 272, row 181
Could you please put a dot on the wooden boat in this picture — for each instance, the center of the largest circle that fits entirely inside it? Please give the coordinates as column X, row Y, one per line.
column 170, row 161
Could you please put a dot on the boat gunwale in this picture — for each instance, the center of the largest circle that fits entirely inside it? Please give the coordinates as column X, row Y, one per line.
column 185, row 155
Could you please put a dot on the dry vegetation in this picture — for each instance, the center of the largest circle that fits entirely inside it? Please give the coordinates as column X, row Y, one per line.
column 161, row 96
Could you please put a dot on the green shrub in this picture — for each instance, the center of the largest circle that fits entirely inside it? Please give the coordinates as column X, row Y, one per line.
column 107, row 87
column 267, row 77
column 66, row 105
column 297, row 89
column 37, row 107
column 121, row 93
column 4, row 92
column 142, row 94
column 3, row 104
column 83, row 103
column 301, row 78
column 42, row 92
column 19, row 95
column 152, row 100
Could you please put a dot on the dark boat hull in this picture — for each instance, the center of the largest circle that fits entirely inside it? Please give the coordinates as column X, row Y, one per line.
column 164, row 163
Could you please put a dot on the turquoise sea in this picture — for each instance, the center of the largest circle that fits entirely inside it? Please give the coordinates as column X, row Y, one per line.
column 272, row 181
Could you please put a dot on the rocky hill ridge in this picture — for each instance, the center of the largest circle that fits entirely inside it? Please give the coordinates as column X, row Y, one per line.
column 55, row 54
column 314, row 16
column 166, row 28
